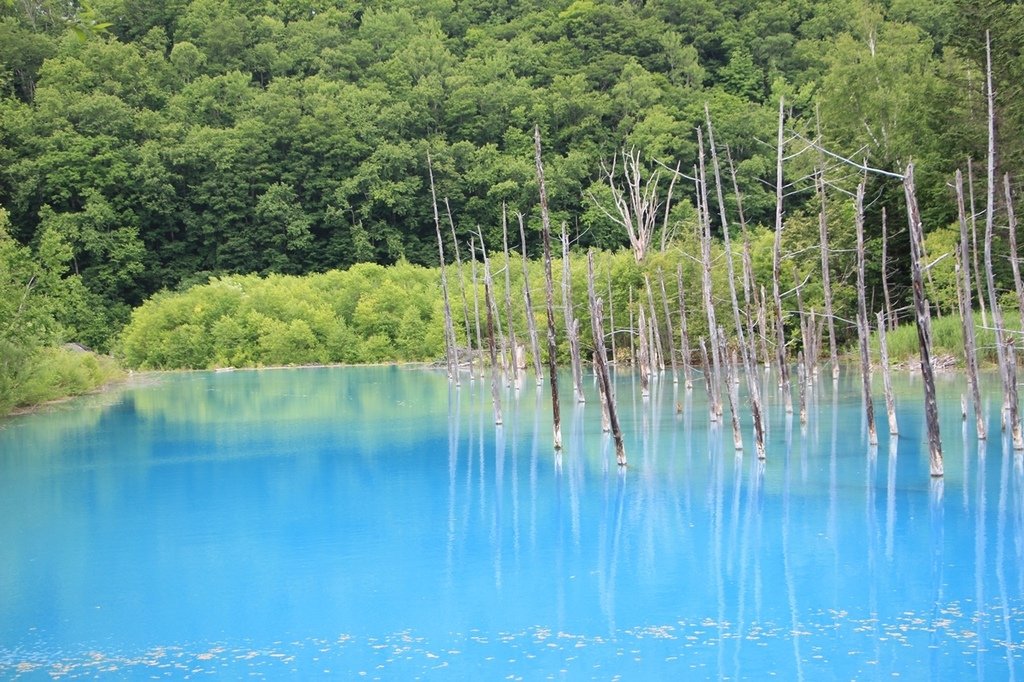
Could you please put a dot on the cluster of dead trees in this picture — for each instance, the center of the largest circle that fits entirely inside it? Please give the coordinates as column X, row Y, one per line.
column 659, row 336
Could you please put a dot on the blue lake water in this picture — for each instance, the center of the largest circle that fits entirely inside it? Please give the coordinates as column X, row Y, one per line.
column 374, row 523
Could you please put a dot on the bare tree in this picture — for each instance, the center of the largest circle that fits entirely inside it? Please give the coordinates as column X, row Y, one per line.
column 863, row 328
column 636, row 195
column 924, row 325
column 451, row 352
column 548, row 287
column 967, row 312
column 604, row 381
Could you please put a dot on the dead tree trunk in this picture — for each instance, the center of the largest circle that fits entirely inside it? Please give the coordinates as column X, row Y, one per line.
column 731, row 275
column 863, row 330
column 492, row 349
column 499, row 339
column 883, row 352
column 974, row 245
column 451, row 354
column 531, row 323
column 462, row 286
column 806, row 331
column 924, row 331
column 801, row 380
column 684, row 335
column 604, row 380
column 990, row 211
column 1014, row 263
column 571, row 323
column 708, row 380
column 476, row 304
column 645, row 356
column 890, row 316
column 611, row 321
column 509, row 317
column 732, row 390
column 709, row 305
column 632, row 332
column 606, row 425
column 636, row 203
column 966, row 312
column 668, row 328
column 762, row 326
column 659, row 355
column 780, row 331
column 1011, row 381
column 749, row 290
column 826, row 277
column 549, row 291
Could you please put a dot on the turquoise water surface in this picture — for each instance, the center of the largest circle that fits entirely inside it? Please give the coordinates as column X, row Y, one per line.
column 374, row 523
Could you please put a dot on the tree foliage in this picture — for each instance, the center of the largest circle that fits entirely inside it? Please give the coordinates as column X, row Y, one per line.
column 168, row 141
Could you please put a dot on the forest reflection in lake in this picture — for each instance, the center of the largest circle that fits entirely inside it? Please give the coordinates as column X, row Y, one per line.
column 374, row 520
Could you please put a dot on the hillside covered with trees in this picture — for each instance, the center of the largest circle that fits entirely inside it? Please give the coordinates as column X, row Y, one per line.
column 149, row 145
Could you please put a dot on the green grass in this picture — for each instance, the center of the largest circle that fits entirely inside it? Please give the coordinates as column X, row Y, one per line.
column 54, row 373
column 947, row 339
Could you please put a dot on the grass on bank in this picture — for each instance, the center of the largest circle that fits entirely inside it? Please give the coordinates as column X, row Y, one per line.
column 50, row 374
column 947, row 340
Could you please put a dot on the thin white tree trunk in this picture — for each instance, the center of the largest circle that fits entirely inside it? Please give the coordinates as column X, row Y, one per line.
column 863, row 329
column 890, row 401
column 571, row 323
column 684, row 335
column 924, row 329
column 780, row 332
column 967, row 314
column 531, row 323
column 549, row 292
column 604, row 379
column 509, row 317
column 451, row 354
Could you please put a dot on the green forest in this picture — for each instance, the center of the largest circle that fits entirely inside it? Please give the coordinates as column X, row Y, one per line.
column 243, row 170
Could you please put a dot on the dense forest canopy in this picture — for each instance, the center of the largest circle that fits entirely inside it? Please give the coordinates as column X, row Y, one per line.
column 150, row 144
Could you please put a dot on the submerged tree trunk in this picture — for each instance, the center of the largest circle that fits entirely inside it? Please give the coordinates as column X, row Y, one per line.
column 462, row 286
column 611, row 322
column 451, row 354
column 1011, row 218
column 668, row 328
column 492, row 349
column 549, row 291
column 883, row 352
column 684, row 335
column 966, row 312
column 1011, row 381
column 890, row 316
column 826, row 279
column 531, row 324
column 659, row 355
column 603, row 378
column 762, row 326
column 974, row 245
column 801, row 380
column 708, row 380
column 709, row 305
column 732, row 390
column 476, row 304
column 990, row 210
column 924, row 332
column 509, row 318
column 863, row 330
column 571, row 323
column 645, row 357
column 780, row 332
column 502, row 350
column 632, row 331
